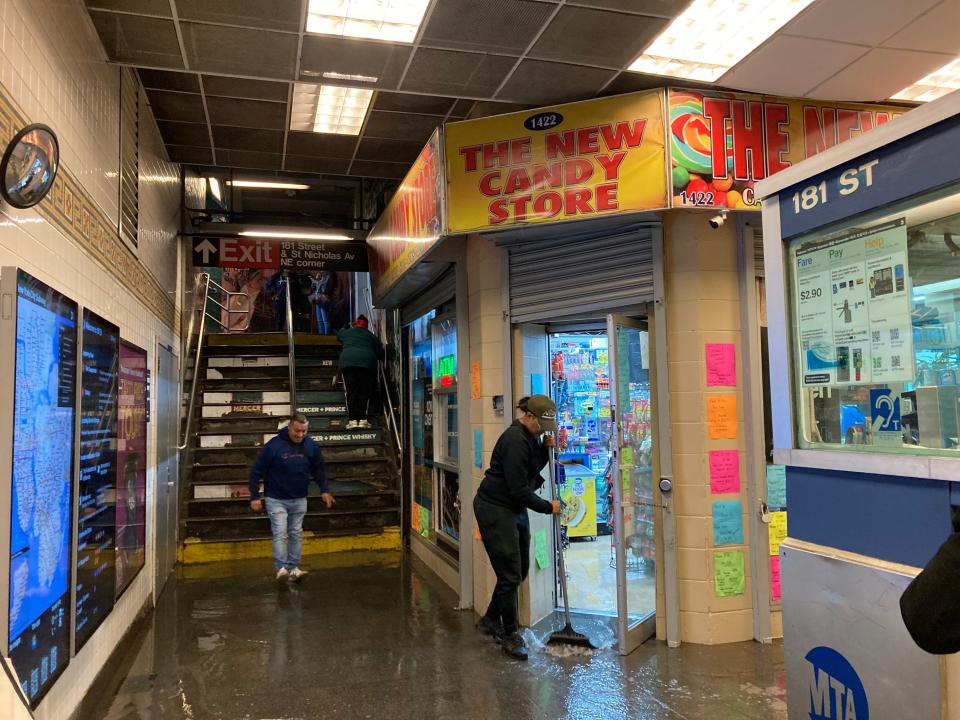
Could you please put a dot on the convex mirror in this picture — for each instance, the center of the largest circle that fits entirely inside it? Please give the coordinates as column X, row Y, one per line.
column 29, row 166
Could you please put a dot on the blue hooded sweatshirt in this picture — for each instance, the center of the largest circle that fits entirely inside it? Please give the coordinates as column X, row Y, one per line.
column 287, row 468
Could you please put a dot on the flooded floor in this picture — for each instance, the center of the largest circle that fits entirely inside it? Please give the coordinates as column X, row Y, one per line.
column 369, row 636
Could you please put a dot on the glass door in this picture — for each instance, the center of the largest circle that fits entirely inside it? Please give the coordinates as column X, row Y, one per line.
column 632, row 514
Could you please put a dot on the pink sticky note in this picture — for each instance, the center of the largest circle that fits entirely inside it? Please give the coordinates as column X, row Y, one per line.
column 721, row 365
column 775, row 577
column 724, row 471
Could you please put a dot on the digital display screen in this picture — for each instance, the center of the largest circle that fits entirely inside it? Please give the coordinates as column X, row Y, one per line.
column 132, row 465
column 45, row 376
column 96, row 523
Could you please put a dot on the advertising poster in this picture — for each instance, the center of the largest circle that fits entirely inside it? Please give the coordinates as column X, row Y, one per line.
column 96, row 525
column 564, row 162
column 41, row 517
column 853, row 308
column 412, row 222
column 721, row 143
column 131, row 465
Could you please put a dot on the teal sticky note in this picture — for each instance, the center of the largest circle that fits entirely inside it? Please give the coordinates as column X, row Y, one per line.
column 536, row 384
column 728, row 522
column 478, row 448
column 776, row 486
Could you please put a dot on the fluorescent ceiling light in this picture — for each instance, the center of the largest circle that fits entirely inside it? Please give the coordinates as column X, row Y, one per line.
column 268, row 184
column 329, row 108
column 937, row 84
column 351, row 78
column 711, row 36
column 396, row 20
column 284, row 235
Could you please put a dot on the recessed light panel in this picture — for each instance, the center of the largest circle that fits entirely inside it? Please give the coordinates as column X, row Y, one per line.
column 937, row 84
column 711, row 36
column 396, row 20
column 329, row 108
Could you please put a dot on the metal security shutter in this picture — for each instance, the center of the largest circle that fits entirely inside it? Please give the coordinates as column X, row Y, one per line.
column 758, row 251
column 575, row 276
column 129, row 156
column 438, row 293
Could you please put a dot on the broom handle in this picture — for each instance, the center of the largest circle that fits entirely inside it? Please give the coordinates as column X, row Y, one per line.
column 559, row 540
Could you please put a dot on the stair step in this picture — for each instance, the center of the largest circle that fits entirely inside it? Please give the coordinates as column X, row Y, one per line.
column 231, row 385
column 308, row 398
column 259, row 423
column 327, row 437
column 240, row 507
column 247, row 454
column 258, row 525
column 248, row 361
column 375, row 473
column 219, row 490
column 315, row 361
column 248, row 372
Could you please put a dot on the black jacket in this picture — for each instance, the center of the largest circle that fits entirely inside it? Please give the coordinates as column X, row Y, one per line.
column 931, row 603
column 514, row 472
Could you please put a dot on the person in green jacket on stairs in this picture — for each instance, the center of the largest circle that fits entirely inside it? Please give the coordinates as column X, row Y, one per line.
column 362, row 352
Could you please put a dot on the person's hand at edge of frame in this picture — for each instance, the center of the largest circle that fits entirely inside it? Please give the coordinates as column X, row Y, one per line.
column 256, row 505
column 556, row 506
column 328, row 500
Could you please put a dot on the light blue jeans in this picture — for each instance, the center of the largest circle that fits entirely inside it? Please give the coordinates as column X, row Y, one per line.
column 286, row 524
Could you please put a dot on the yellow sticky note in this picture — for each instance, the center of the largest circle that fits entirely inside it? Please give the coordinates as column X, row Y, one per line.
column 777, row 530
column 722, row 417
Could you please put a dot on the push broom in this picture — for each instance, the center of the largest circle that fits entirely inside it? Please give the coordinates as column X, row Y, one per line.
column 566, row 635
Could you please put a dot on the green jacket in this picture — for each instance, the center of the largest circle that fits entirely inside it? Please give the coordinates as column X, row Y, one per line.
column 361, row 348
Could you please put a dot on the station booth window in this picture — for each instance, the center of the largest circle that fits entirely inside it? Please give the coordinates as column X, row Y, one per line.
column 434, row 436
column 876, row 316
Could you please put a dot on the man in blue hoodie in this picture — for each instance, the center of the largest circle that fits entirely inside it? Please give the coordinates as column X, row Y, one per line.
column 286, row 465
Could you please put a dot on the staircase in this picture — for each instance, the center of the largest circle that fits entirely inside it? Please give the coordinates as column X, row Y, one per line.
column 243, row 394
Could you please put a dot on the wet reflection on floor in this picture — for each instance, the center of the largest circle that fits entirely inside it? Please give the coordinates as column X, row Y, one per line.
column 372, row 636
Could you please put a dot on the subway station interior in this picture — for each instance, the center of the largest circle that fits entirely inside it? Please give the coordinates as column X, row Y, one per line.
column 472, row 359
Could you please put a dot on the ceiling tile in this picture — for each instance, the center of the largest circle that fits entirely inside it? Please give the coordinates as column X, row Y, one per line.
column 163, row 80
column 401, row 126
column 322, row 145
column 249, row 159
column 366, row 168
column 936, row 31
column 864, row 22
column 507, row 26
column 137, row 39
column 235, row 138
column 462, row 108
column 446, row 71
column 239, row 51
column 485, row 108
column 763, row 70
column 176, row 106
column 139, row 7
column 247, row 113
column 180, row 133
column 661, row 8
column 190, row 155
column 879, row 74
column 299, row 163
column 545, row 83
column 573, row 35
column 384, row 61
column 405, row 102
column 388, row 150
column 272, row 15
column 242, row 88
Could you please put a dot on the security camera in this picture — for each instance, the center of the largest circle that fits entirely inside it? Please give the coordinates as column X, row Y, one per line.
column 718, row 219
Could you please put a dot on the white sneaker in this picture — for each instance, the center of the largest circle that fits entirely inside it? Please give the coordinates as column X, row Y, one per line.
column 352, row 424
column 363, row 424
column 296, row 574
column 282, row 574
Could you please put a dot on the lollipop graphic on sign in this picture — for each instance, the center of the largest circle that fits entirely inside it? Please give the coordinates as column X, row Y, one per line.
column 691, row 154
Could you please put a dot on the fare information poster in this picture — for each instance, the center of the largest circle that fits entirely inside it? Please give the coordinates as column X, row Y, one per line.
column 853, row 308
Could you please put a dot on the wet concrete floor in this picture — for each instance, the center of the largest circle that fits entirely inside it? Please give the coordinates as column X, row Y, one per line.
column 374, row 636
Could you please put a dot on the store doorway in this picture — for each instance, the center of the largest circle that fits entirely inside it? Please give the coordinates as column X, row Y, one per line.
column 600, row 380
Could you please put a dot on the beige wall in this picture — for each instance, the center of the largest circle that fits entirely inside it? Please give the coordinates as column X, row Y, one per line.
column 701, row 275
column 52, row 71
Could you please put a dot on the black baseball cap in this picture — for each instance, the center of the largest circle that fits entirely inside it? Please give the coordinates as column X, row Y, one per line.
column 545, row 410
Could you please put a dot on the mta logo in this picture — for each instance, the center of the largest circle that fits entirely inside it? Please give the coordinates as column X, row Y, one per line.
column 835, row 691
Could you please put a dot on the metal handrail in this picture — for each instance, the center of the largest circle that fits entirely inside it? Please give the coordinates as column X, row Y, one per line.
column 291, row 352
column 391, row 416
column 208, row 282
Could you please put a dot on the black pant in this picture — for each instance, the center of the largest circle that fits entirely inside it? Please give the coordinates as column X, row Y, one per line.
column 360, row 382
column 506, row 538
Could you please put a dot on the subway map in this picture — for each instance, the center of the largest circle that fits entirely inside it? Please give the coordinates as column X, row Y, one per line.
column 42, row 455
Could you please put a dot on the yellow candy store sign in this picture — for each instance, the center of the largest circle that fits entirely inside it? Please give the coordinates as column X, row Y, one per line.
column 560, row 163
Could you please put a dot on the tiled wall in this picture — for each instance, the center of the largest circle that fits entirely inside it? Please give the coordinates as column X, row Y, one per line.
column 52, row 71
